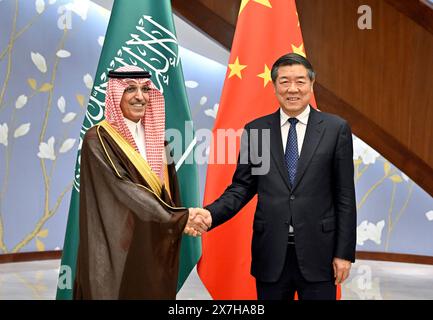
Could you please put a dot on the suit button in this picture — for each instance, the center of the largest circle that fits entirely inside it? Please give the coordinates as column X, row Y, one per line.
column 292, row 197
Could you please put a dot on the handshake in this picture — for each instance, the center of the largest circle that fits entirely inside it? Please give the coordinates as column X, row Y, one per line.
column 199, row 221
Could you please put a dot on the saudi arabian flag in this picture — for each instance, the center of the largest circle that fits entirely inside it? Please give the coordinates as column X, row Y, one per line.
column 140, row 33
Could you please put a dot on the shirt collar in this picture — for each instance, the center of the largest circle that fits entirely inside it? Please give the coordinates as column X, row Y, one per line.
column 302, row 118
column 132, row 126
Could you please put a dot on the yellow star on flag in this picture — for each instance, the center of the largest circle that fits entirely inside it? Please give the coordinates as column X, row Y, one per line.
column 262, row 2
column 299, row 50
column 266, row 75
column 236, row 68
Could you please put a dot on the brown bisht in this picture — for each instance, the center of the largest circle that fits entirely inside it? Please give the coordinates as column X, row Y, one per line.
column 130, row 229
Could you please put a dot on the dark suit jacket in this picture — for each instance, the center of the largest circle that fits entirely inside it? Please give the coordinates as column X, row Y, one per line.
column 321, row 205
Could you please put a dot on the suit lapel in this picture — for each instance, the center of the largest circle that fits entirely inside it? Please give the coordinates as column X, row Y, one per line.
column 313, row 134
column 277, row 150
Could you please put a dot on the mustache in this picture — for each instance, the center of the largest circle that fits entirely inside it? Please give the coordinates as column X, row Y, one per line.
column 144, row 103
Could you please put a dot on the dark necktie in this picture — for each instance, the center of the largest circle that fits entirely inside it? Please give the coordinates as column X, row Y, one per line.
column 291, row 153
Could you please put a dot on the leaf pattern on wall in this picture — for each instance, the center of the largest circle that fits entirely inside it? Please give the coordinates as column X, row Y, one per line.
column 39, row 61
column 32, row 83
column 40, row 245
column 101, row 40
column 63, row 54
column 212, row 112
column 40, row 6
column 79, row 7
column 80, row 99
column 43, row 233
column 67, row 145
column 45, row 87
column 61, row 104
column 46, row 149
column 37, row 77
column 369, row 231
column 22, row 130
column 203, row 100
column 69, row 117
column 21, row 101
column 88, row 81
column 363, row 151
column 191, row 84
column 4, row 134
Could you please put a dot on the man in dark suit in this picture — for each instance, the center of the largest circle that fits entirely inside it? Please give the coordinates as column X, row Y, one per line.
column 304, row 230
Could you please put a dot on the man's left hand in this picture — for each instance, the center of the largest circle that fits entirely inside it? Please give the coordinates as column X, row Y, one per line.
column 341, row 269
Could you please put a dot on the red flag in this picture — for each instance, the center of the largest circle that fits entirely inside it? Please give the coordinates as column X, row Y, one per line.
column 266, row 30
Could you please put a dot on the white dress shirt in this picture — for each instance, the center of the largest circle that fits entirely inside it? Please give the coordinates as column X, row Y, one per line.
column 301, row 127
column 137, row 131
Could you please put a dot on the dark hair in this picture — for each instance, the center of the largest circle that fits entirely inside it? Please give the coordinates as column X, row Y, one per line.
column 289, row 60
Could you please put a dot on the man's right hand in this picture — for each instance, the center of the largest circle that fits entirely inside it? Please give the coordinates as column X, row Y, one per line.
column 199, row 221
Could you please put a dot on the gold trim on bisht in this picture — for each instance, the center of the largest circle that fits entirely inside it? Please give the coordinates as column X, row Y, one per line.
column 137, row 160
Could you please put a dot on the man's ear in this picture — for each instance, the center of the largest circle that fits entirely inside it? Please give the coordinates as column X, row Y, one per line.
column 312, row 84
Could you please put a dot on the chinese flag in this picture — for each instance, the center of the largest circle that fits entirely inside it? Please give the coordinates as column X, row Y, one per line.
column 265, row 30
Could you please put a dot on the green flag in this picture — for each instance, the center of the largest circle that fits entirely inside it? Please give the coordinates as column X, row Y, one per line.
column 140, row 33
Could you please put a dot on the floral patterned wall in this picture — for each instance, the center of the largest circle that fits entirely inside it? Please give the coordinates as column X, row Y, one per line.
column 394, row 213
column 48, row 55
column 49, row 52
